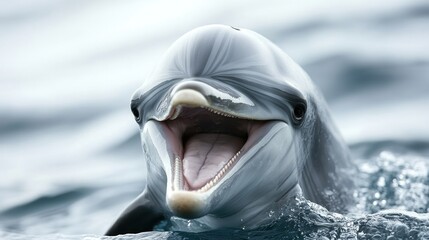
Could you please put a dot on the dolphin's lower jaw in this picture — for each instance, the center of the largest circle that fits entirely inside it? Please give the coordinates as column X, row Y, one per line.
column 187, row 204
column 207, row 146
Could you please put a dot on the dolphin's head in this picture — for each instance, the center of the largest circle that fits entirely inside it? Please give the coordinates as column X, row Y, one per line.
column 221, row 121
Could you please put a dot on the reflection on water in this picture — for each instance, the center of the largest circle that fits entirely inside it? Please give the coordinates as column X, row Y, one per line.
column 70, row 156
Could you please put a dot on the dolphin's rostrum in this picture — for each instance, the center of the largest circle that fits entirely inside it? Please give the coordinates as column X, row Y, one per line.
column 231, row 129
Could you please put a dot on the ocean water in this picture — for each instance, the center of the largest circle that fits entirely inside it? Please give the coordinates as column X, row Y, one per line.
column 70, row 155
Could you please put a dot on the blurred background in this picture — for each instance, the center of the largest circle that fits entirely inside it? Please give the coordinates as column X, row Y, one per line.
column 70, row 155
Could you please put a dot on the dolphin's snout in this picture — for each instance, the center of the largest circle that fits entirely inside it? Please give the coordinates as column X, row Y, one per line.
column 205, row 93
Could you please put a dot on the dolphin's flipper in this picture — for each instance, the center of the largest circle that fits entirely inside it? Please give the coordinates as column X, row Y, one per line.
column 142, row 215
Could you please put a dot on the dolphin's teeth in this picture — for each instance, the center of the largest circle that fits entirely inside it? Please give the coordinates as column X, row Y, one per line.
column 203, row 189
column 219, row 175
column 176, row 113
column 177, row 178
column 218, row 112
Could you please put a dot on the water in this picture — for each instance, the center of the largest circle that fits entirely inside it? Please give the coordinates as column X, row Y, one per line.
column 70, row 157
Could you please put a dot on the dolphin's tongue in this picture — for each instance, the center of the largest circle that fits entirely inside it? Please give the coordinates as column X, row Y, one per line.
column 206, row 154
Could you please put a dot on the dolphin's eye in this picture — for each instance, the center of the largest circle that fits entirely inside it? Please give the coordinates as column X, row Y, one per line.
column 298, row 112
column 136, row 113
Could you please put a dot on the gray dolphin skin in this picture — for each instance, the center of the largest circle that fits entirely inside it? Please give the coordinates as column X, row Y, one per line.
column 232, row 128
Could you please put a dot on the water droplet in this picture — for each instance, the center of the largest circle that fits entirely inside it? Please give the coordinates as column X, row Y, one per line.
column 395, row 183
column 377, row 195
column 387, row 155
column 401, row 183
column 381, row 182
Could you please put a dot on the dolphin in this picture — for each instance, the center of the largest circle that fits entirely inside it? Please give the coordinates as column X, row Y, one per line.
column 232, row 128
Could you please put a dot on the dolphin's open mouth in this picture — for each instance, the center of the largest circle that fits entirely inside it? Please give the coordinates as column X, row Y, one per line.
column 206, row 144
